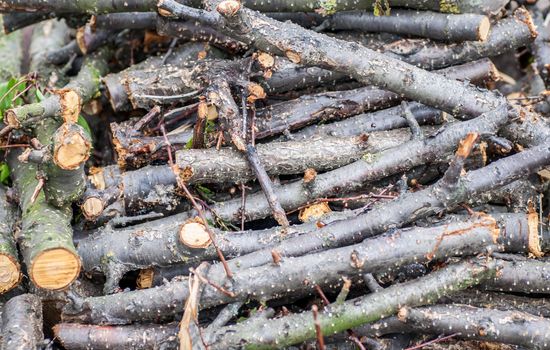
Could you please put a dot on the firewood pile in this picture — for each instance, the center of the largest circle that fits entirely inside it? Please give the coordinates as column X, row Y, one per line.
column 283, row 174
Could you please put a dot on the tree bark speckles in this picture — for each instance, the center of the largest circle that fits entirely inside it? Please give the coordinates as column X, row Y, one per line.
column 9, row 262
column 22, row 323
column 226, row 174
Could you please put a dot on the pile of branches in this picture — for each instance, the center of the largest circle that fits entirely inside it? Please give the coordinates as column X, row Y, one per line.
column 274, row 174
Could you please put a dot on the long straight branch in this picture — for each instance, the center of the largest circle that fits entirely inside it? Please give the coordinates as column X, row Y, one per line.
column 335, row 318
column 360, row 62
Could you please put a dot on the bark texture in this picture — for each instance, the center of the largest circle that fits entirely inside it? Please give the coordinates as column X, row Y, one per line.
column 65, row 103
column 136, row 337
column 161, row 245
column 152, row 186
column 22, row 323
column 506, row 35
column 529, row 277
column 10, row 271
column 273, row 281
column 426, row 24
column 335, row 318
column 509, row 327
column 46, row 234
column 361, row 63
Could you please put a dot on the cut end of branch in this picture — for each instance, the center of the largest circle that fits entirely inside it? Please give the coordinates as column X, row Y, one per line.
column 184, row 174
column 255, row 92
column 276, row 256
column 314, row 212
column 483, row 29
column 145, row 278
column 165, row 13
column 533, row 241
column 194, row 235
column 309, row 175
column 54, row 269
column 238, row 142
column 523, row 15
column 10, row 274
column 10, row 117
column 266, row 60
column 228, row 8
column 294, row 57
column 466, row 145
column 70, row 103
column 402, row 314
column 71, row 147
column 92, row 208
column 97, row 178
column 81, row 38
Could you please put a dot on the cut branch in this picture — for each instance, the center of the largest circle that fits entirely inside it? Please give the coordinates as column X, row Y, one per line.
column 22, row 323
column 506, row 35
column 135, row 337
column 81, row 7
column 46, row 234
column 65, row 103
column 10, row 271
column 274, row 281
column 432, row 25
column 501, row 301
column 509, row 327
column 370, row 168
column 151, row 186
column 162, row 245
column 335, row 318
column 118, row 84
column 361, row 63
column 529, row 277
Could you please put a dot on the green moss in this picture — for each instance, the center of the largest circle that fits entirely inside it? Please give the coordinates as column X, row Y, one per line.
column 370, row 157
column 382, row 8
column 327, row 7
column 368, row 309
column 448, row 6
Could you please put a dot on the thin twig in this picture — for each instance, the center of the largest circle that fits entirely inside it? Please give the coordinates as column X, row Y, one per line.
column 342, row 296
column 38, row 188
column 12, row 88
column 201, row 335
column 182, row 185
column 6, row 130
column 15, row 145
column 322, row 295
column 371, row 283
column 253, row 125
column 355, row 340
column 170, row 49
column 245, row 114
column 243, row 205
column 214, row 285
column 438, row 340
column 267, row 186
column 21, row 93
column 155, row 111
column 368, row 205
column 168, row 99
column 416, row 131
column 320, row 340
